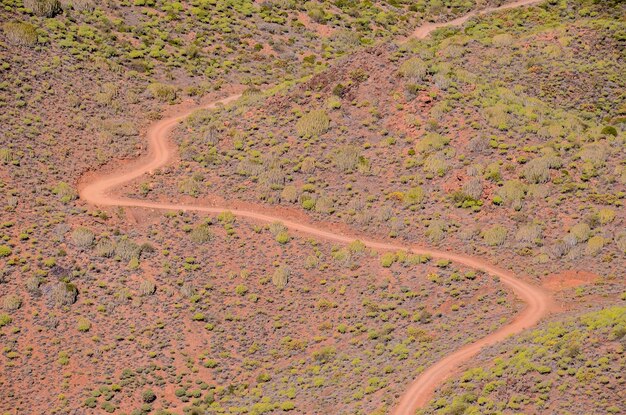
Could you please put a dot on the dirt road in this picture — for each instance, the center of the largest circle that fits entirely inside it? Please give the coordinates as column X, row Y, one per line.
column 101, row 191
column 426, row 29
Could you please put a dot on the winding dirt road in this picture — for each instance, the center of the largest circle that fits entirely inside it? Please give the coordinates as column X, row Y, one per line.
column 426, row 29
column 101, row 191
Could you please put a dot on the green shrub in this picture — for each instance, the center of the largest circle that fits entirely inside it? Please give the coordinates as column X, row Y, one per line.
column 609, row 130
column 314, row 123
column 594, row 245
column 44, row 8
column 496, row 235
column 65, row 192
column 5, row 251
column 388, row 259
column 414, row 69
column 83, row 324
column 5, row 319
column 581, row 231
column 148, row 396
column 23, row 34
column 163, row 92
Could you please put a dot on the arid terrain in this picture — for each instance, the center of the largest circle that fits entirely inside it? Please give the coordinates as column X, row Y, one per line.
column 333, row 207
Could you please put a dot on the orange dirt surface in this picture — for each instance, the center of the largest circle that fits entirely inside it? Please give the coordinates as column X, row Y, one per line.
column 569, row 279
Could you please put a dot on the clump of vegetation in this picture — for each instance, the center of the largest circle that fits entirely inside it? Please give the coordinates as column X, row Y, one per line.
column 280, row 278
column 20, row 33
column 163, row 92
column 44, row 8
column 495, row 235
column 313, row 123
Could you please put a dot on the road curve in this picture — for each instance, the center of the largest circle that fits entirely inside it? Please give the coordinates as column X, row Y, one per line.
column 424, row 30
column 101, row 191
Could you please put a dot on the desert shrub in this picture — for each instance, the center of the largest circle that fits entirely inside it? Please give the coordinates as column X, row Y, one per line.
column 201, row 234
column 83, row 324
column 580, row 231
column 436, row 165
column 606, row 215
column 5, row 251
column 83, row 238
column 289, row 194
column 105, row 247
column 324, row 204
column 594, row 153
column 594, row 245
column 512, row 193
column 537, row 170
column 11, row 302
column 127, row 249
column 163, row 92
column 44, row 8
column 148, row 396
column 5, row 319
column 314, row 123
column 79, row 5
column 20, row 33
column 529, row 233
column 65, row 192
column 32, row 285
column 473, row 188
column 147, row 287
column 414, row 195
column 430, row 142
column 308, row 165
column 413, row 69
column 609, row 130
column 436, row 230
column 281, row 277
column 494, row 236
column 282, row 237
column 63, row 293
column 346, row 158
column 189, row 186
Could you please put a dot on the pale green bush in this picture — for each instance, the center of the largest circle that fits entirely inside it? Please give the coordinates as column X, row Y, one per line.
column 413, row 69
column 11, row 302
column 23, row 34
column 314, row 123
column 83, row 238
column 594, row 245
column 494, row 236
column 44, row 8
column 280, row 278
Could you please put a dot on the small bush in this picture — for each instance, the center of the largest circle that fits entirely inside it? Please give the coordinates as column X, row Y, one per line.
column 201, row 234
column 83, row 238
column 314, row 123
column 581, row 231
column 163, row 92
column 23, row 34
column 413, row 69
column 83, row 325
column 594, row 245
column 44, row 8
column 11, row 302
column 105, row 248
column 65, row 192
column 63, row 293
column 5, row 319
column 148, row 396
column 494, row 236
column 5, row 251
column 147, row 287
column 280, row 278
